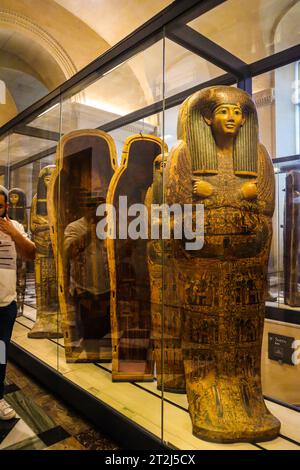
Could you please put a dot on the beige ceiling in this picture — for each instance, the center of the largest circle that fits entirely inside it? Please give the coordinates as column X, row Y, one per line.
column 44, row 42
column 114, row 19
column 21, row 53
column 250, row 30
column 57, row 30
column 41, row 45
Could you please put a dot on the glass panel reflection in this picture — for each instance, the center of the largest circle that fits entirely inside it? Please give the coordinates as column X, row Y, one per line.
column 276, row 96
column 183, row 69
column 128, row 87
column 292, row 239
column 131, row 302
column 86, row 162
column 252, row 31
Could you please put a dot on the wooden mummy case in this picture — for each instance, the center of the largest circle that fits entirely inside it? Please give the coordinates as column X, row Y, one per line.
column 86, row 161
column 221, row 288
column 47, row 324
column 132, row 356
column 292, row 239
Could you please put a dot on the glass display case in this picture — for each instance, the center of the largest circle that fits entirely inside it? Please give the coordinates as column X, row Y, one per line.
column 103, row 316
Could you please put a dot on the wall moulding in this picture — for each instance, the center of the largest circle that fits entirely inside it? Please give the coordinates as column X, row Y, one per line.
column 12, row 20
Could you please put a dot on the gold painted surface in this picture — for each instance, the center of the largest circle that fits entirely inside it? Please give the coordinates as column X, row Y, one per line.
column 130, row 294
column 47, row 323
column 166, row 316
column 130, row 401
column 221, row 287
column 86, row 161
column 17, row 206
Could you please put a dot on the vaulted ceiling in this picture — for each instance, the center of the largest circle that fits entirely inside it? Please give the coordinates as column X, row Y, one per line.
column 44, row 42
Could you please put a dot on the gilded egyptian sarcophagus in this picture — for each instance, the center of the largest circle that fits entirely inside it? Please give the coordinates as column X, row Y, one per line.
column 17, row 206
column 166, row 310
column 47, row 323
column 86, row 161
column 219, row 163
column 130, row 295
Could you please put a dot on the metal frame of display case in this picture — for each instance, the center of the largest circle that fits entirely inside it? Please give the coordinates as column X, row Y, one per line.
column 170, row 23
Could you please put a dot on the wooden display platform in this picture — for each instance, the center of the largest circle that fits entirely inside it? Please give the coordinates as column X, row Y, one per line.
column 138, row 404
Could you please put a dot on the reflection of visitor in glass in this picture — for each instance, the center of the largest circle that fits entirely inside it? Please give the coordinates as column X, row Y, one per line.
column 13, row 239
column 86, row 258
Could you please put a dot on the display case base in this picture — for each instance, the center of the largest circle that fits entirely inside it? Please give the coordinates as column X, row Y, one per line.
column 130, row 412
column 115, row 425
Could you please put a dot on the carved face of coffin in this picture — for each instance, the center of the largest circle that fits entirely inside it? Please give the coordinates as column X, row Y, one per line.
column 17, row 205
column 227, row 119
column 14, row 198
column 42, row 189
column 220, row 132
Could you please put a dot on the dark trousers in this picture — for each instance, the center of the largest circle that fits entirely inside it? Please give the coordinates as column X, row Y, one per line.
column 7, row 318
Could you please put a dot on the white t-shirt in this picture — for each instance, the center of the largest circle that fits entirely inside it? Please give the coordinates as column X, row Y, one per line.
column 89, row 271
column 8, row 266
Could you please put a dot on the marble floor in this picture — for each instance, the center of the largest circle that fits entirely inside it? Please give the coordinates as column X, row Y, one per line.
column 44, row 422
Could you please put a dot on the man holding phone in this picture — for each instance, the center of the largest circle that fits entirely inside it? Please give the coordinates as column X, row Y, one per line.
column 13, row 239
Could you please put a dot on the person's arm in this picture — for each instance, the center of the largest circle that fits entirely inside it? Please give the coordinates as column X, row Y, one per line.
column 24, row 246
